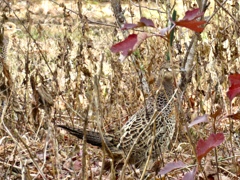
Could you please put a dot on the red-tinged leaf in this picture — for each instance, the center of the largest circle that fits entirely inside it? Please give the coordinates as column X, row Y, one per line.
column 171, row 166
column 198, row 120
column 234, row 79
column 147, row 22
column 235, row 116
column 203, row 147
column 234, row 89
column 192, row 14
column 129, row 45
column 143, row 22
column 190, row 175
column 193, row 25
column 189, row 21
column 129, row 26
column 125, row 46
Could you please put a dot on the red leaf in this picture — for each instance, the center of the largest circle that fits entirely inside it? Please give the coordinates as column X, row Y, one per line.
column 129, row 26
column 129, row 45
column 171, row 166
column 198, row 120
column 189, row 21
column 192, row 14
column 125, row 46
column 203, row 147
column 235, row 116
column 234, row 89
column 143, row 22
column 190, row 175
column 147, row 22
column 193, row 25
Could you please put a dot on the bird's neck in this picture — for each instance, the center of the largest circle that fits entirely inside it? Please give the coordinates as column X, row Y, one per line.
column 168, row 87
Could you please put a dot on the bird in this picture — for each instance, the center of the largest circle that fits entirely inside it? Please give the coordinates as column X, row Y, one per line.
column 154, row 124
column 7, row 84
column 6, row 32
column 8, row 29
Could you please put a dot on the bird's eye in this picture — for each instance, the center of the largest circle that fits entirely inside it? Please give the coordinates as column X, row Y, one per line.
column 10, row 26
column 169, row 69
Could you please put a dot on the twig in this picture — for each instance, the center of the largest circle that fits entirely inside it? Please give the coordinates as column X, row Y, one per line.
column 84, row 144
column 150, row 151
column 89, row 21
column 152, row 9
column 152, row 120
column 221, row 5
column 16, row 142
column 19, row 145
column 98, row 115
column 233, row 175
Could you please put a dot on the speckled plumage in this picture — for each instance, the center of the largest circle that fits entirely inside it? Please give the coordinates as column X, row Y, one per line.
column 163, row 105
column 8, row 29
column 162, row 126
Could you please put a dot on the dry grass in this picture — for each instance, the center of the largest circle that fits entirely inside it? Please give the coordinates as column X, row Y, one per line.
column 57, row 51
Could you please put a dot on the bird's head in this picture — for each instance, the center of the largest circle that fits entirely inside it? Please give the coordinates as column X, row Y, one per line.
column 9, row 28
column 168, row 71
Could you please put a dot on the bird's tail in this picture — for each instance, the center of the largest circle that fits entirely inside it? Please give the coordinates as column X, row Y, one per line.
column 92, row 137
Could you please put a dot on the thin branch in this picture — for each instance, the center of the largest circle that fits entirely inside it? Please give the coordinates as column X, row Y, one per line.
column 152, row 120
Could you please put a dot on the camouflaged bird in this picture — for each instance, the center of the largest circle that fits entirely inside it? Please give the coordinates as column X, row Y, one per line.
column 7, row 30
column 157, row 119
column 7, row 82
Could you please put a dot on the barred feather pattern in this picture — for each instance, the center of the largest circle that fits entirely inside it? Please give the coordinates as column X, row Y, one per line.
column 4, row 48
column 162, row 130
column 8, row 29
column 154, row 125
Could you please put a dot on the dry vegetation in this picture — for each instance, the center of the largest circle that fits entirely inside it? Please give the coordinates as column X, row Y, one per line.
column 65, row 73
